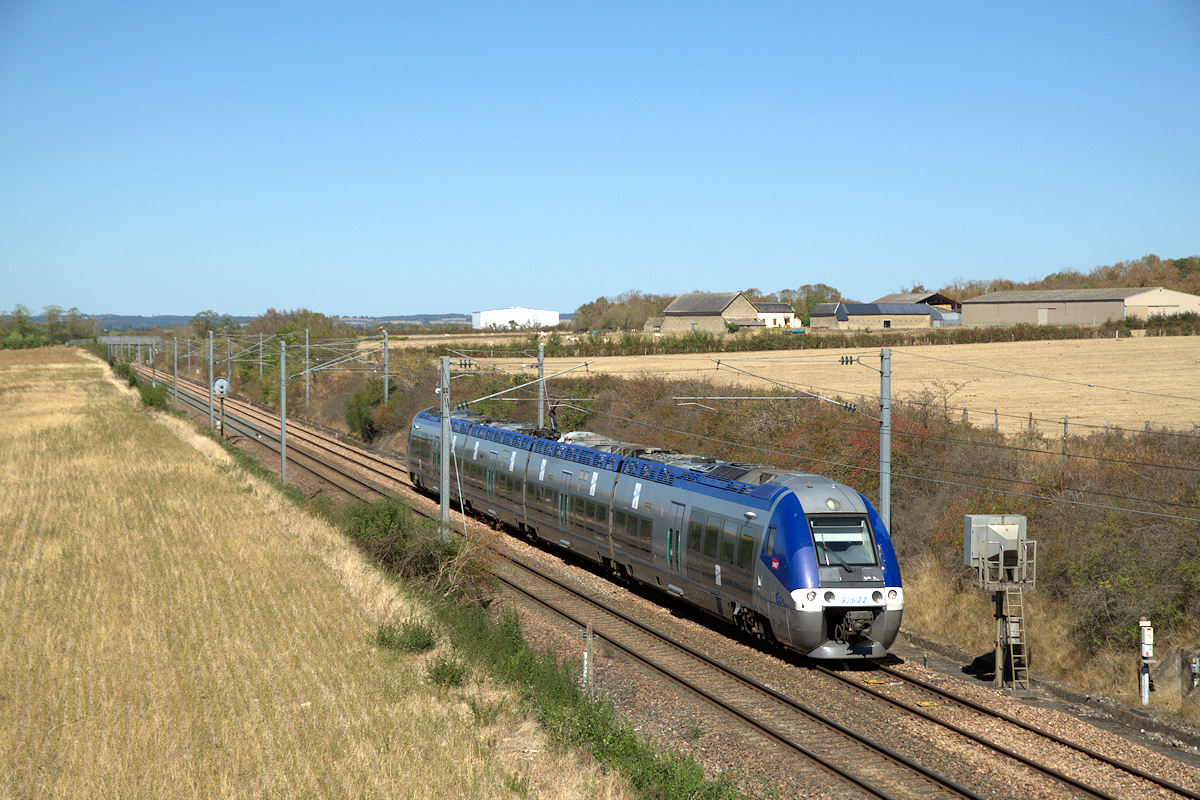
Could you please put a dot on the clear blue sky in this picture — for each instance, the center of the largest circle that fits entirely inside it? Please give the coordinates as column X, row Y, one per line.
column 393, row 158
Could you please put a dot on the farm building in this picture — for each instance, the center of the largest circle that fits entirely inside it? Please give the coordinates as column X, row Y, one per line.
column 877, row 316
column 516, row 317
column 1075, row 306
column 935, row 299
column 711, row 312
column 776, row 315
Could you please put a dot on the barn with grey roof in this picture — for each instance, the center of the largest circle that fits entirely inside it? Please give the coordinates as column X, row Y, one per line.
column 1075, row 306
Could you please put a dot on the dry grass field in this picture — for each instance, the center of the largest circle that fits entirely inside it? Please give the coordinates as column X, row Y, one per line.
column 169, row 627
column 1093, row 381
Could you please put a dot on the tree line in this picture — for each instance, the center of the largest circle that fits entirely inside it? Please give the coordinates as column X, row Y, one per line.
column 18, row 328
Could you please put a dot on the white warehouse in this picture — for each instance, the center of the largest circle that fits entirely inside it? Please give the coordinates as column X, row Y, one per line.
column 517, row 317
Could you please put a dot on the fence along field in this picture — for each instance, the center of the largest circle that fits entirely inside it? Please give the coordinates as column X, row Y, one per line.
column 1128, row 377
column 170, row 628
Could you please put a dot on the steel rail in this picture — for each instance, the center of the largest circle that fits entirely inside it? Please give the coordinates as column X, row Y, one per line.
column 737, row 676
column 1083, row 749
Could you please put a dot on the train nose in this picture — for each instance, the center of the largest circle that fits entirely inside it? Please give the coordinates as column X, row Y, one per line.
column 854, row 625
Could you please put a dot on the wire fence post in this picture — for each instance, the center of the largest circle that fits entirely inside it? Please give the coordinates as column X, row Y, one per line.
column 260, row 348
column 1064, row 443
column 885, row 437
column 385, row 366
column 447, row 451
column 306, row 368
column 996, row 419
column 283, row 412
column 175, row 374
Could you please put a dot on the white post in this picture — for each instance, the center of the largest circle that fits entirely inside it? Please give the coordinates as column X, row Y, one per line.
column 385, row 366
column 1147, row 657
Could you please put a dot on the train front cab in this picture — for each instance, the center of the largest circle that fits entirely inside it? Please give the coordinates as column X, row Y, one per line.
column 831, row 583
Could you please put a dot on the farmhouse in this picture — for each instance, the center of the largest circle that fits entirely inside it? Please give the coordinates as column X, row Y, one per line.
column 515, row 317
column 876, row 316
column 711, row 312
column 935, row 299
column 1075, row 306
column 775, row 315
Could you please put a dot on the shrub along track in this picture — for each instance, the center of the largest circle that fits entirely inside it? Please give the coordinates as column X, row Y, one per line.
column 1049, row 765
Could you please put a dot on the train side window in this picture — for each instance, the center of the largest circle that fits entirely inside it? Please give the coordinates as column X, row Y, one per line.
column 729, row 538
column 712, row 535
column 646, row 532
column 619, row 521
column 695, row 531
column 769, row 547
column 745, row 554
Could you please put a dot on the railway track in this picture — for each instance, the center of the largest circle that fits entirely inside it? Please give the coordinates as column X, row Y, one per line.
column 851, row 757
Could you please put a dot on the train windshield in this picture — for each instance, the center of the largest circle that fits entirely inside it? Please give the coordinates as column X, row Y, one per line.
column 842, row 541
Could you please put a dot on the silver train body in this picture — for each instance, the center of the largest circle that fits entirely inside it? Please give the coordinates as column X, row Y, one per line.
column 787, row 556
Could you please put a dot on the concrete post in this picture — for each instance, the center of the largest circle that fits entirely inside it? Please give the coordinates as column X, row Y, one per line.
column 885, row 437
column 211, row 415
column 447, row 452
column 541, row 421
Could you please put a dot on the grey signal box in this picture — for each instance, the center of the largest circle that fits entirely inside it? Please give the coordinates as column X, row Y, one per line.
column 996, row 547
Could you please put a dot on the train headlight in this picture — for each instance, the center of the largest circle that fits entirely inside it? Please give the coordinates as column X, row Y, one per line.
column 877, row 596
column 891, row 594
column 832, row 504
column 811, row 596
column 829, row 597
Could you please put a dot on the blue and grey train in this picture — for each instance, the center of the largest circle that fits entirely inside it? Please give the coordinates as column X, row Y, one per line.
column 785, row 556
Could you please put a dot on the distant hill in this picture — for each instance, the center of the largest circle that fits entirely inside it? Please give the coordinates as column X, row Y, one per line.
column 408, row 319
column 125, row 322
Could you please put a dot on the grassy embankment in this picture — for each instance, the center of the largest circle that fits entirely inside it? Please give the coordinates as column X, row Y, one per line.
column 169, row 626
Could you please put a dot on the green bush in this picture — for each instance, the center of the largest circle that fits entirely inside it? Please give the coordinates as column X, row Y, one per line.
column 362, row 407
column 153, row 396
column 409, row 636
column 411, row 547
column 446, row 671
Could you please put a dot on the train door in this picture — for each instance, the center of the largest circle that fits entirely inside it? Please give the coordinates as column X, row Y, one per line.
column 564, row 501
column 771, row 594
column 676, row 521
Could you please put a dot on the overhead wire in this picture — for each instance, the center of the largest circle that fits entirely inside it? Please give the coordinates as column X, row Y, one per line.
column 875, row 470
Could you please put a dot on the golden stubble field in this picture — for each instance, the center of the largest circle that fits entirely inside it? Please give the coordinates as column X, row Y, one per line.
column 169, row 627
column 1092, row 381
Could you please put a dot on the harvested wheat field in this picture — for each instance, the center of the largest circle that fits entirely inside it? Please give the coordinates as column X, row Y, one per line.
column 170, row 628
column 1122, row 382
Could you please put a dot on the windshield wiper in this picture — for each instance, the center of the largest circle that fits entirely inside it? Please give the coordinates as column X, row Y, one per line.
column 841, row 560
